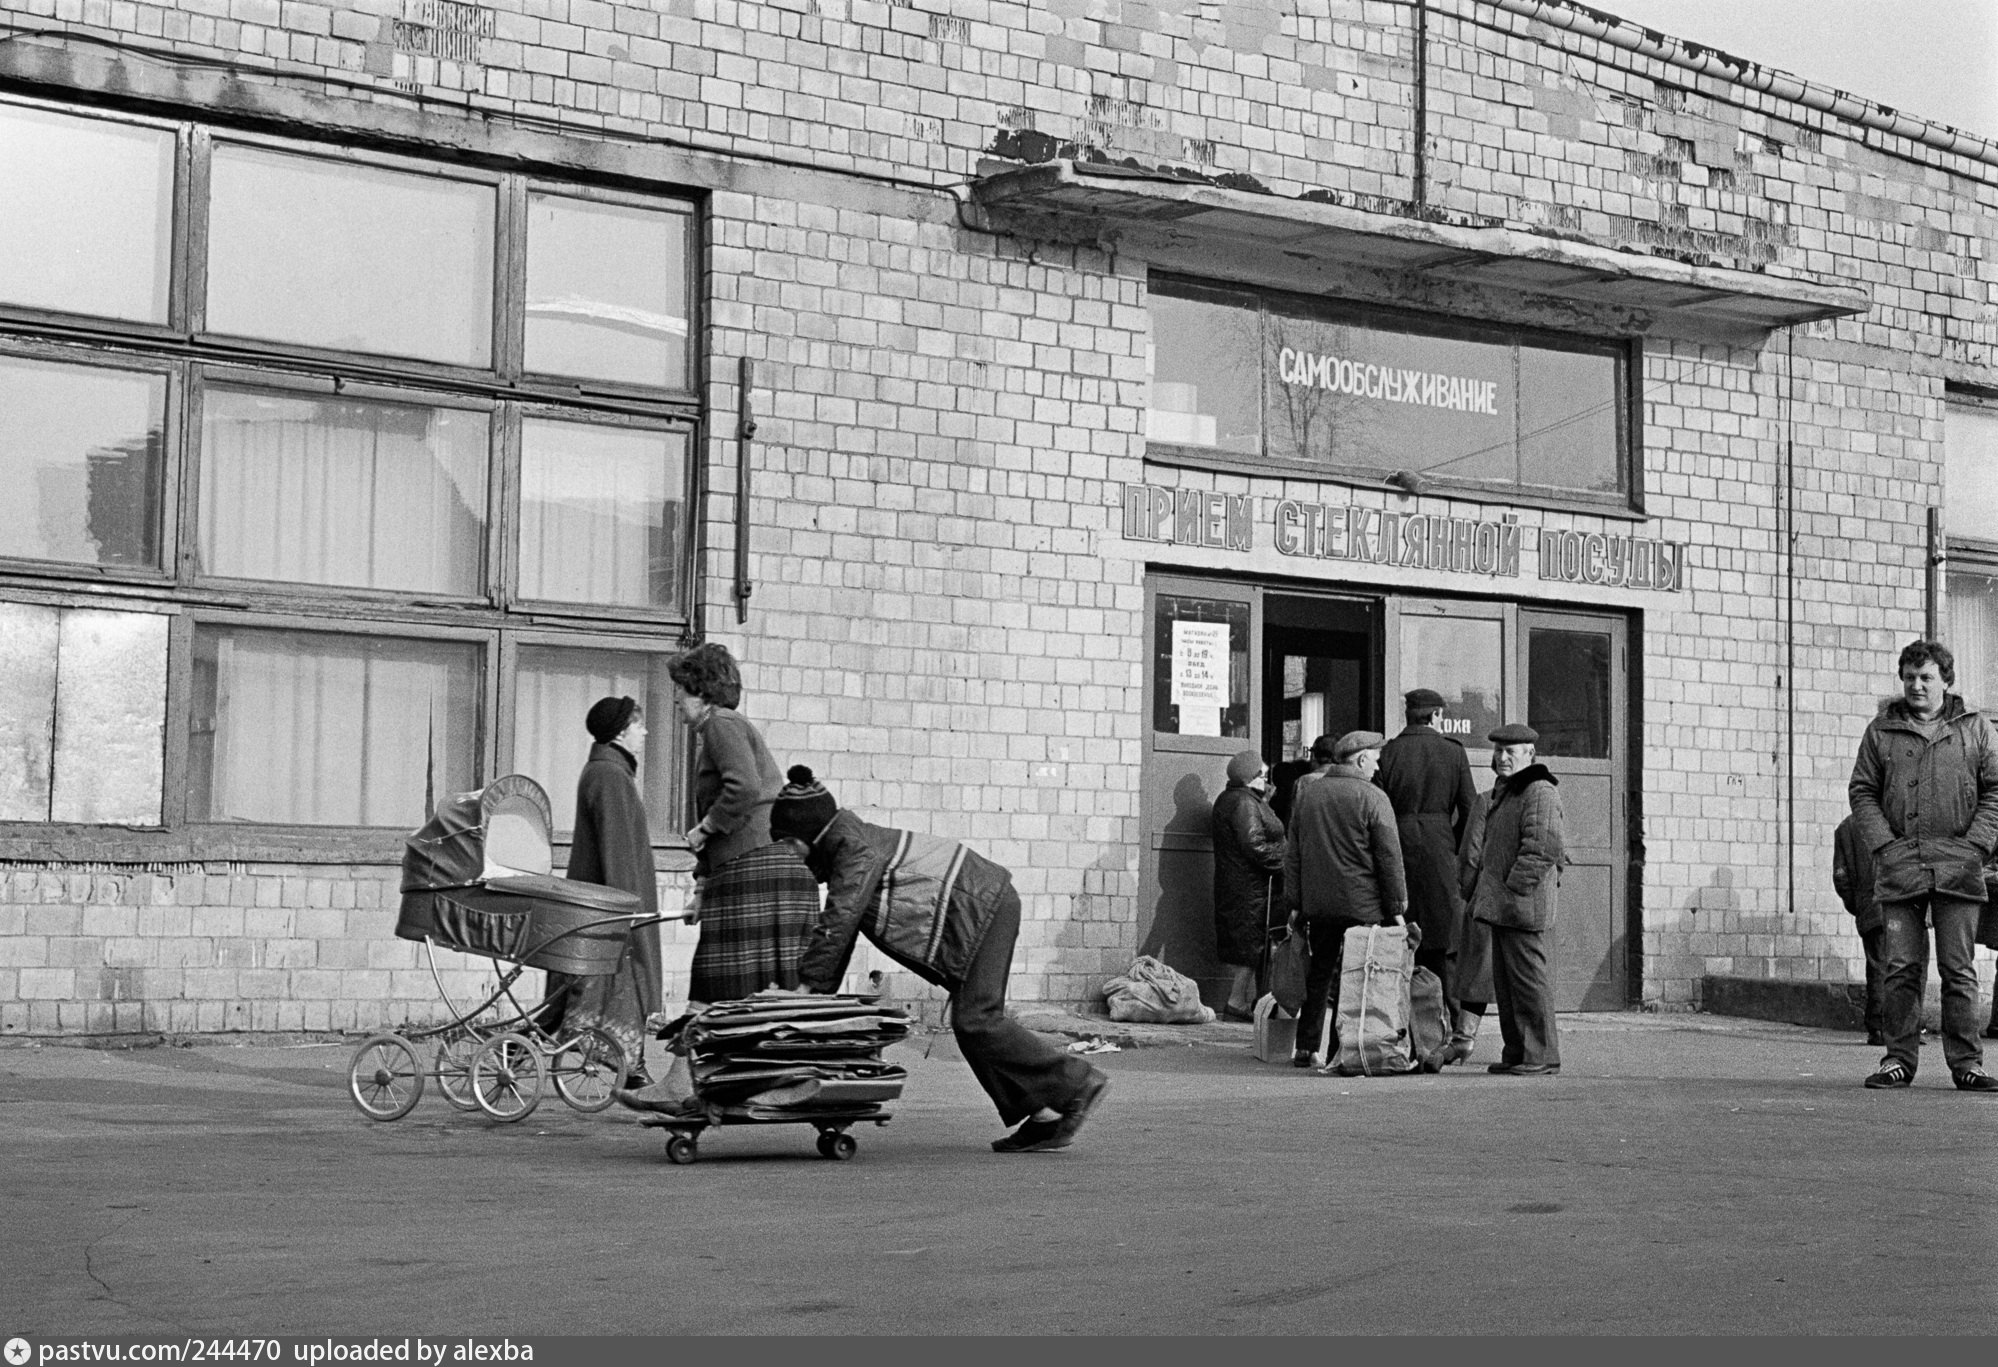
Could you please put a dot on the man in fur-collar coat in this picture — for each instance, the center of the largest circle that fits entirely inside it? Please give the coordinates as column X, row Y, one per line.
column 1518, row 874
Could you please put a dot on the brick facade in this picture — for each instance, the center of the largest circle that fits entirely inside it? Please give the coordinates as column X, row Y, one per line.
column 946, row 623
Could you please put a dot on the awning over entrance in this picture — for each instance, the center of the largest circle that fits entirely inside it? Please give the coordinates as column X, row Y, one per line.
column 1135, row 204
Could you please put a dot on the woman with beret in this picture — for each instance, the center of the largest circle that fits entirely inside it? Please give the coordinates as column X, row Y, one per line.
column 612, row 846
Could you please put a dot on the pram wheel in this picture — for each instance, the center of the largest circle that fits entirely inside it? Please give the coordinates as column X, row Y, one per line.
column 588, row 1071
column 506, row 1077
column 837, row 1145
column 681, row 1148
column 453, row 1066
column 385, row 1078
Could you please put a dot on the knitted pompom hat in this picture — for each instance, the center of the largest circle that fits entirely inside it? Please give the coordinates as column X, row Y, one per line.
column 803, row 808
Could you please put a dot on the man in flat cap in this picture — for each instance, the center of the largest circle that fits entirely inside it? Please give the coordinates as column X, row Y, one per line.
column 1341, row 868
column 1427, row 778
column 1512, row 873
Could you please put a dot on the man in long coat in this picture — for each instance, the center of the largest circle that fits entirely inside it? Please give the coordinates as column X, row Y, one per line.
column 1517, row 874
column 1427, row 778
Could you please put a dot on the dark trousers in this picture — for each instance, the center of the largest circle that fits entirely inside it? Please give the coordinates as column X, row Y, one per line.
column 1904, row 945
column 1018, row 1069
column 1525, row 991
column 1321, row 984
column 1874, row 942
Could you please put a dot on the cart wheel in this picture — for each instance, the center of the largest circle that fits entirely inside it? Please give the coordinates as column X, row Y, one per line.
column 838, row 1146
column 682, row 1149
column 454, row 1070
column 588, row 1073
column 385, row 1078
column 506, row 1076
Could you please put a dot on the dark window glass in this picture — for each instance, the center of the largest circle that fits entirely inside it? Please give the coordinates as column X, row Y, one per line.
column 1200, row 674
column 351, row 258
column 1206, row 389
column 1568, row 692
column 315, row 728
column 341, row 491
column 553, row 687
column 80, row 453
column 601, row 513
column 606, row 292
column 86, row 215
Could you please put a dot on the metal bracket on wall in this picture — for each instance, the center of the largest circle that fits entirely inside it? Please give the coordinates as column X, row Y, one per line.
column 745, row 433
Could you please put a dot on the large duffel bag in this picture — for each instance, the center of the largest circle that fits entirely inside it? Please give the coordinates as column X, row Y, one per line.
column 1375, row 972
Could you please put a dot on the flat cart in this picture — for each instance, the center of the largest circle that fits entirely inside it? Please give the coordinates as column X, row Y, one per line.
column 476, row 880
column 782, row 1058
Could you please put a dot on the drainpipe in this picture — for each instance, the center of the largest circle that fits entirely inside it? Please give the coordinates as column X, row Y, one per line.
column 1935, row 586
column 1420, row 191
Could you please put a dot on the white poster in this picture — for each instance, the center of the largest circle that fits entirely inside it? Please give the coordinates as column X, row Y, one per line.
column 1200, row 676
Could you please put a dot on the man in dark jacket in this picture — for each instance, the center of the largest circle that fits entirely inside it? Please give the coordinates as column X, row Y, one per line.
column 1341, row 868
column 1427, row 778
column 950, row 916
column 1924, row 793
column 1248, row 849
column 1516, row 873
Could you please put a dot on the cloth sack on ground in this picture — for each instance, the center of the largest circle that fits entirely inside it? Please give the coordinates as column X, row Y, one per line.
column 1428, row 1016
column 1374, row 981
column 1290, row 964
column 1151, row 992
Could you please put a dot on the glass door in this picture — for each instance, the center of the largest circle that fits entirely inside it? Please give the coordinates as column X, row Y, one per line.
column 1465, row 651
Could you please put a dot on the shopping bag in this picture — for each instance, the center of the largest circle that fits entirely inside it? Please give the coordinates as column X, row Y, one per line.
column 1276, row 1031
column 1290, row 964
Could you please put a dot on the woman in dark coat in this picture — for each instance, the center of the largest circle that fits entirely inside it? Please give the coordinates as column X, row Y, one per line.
column 757, row 899
column 1248, row 851
column 612, row 846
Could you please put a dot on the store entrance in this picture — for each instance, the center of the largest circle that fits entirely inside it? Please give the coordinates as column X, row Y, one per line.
column 1238, row 666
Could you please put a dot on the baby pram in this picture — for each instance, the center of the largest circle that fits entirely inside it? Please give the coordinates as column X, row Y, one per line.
column 781, row 1058
column 476, row 879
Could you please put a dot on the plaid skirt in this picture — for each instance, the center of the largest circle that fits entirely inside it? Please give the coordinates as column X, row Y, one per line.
column 756, row 911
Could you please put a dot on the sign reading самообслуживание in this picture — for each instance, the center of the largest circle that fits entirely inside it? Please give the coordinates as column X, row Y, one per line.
column 1416, row 541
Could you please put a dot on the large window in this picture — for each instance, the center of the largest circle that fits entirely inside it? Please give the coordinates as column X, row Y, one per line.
column 1970, row 520
column 378, row 470
column 1246, row 381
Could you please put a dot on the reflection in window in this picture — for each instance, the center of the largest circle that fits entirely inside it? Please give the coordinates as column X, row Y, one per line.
column 1970, row 472
column 1568, row 403
column 1568, row 692
column 1206, row 389
column 600, row 513
column 1972, row 634
column 606, row 292
column 1200, row 671
column 86, row 217
column 80, row 454
column 311, row 728
column 340, row 491
column 553, row 689
column 1463, row 658
column 348, row 257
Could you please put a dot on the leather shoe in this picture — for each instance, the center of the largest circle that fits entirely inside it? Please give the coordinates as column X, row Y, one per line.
column 1078, row 1109
column 1500, row 1067
column 1975, row 1080
column 1531, row 1069
column 658, row 1099
column 1031, row 1137
column 1303, row 1058
column 1456, row 1051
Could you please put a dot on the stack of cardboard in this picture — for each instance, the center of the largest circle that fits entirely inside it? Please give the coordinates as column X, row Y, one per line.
column 776, row 1056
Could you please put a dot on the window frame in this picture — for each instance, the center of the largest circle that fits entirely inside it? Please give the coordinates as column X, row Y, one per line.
column 191, row 359
column 1626, row 352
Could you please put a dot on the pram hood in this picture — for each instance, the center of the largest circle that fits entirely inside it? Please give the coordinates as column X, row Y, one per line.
column 500, row 831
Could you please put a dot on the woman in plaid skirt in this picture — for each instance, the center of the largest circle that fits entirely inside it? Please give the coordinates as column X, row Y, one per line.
column 757, row 900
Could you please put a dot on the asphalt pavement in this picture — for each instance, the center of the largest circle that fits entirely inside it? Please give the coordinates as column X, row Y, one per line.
column 1683, row 1174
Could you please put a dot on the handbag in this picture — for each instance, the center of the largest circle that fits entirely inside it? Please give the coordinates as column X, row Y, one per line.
column 1290, row 963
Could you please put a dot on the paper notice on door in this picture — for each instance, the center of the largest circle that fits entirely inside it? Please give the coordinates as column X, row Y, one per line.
column 1200, row 676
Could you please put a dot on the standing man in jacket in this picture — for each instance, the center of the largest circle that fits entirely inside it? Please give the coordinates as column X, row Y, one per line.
column 1248, row 851
column 1517, row 873
column 1341, row 868
column 1427, row 778
column 950, row 916
column 1924, row 792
